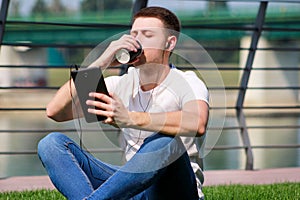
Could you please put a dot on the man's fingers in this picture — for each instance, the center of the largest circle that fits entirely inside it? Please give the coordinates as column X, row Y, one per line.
column 99, row 105
column 101, row 112
column 103, row 97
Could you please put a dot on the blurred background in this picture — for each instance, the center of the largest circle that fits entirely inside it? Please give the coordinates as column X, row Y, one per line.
column 251, row 68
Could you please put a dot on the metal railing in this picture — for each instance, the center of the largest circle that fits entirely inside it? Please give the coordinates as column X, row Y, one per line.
column 256, row 29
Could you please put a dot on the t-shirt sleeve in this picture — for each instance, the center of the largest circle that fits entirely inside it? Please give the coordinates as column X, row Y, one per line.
column 198, row 88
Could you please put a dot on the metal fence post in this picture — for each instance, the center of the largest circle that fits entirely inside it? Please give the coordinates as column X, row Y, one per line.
column 137, row 6
column 3, row 15
column 244, row 83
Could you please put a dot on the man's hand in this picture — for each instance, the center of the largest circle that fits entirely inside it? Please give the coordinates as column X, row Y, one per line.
column 108, row 56
column 111, row 107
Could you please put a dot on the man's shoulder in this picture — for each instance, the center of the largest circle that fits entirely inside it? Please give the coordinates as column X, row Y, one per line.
column 186, row 74
column 189, row 77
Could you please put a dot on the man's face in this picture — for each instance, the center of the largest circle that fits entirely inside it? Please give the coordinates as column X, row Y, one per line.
column 150, row 32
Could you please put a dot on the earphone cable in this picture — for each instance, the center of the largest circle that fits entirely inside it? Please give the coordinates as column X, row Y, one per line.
column 81, row 145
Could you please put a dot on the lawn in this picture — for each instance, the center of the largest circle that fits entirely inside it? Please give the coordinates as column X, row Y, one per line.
column 283, row 191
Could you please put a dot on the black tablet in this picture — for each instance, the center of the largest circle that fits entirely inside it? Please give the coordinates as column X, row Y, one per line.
column 88, row 80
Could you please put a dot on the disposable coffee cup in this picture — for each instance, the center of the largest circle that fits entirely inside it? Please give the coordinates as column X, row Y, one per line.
column 124, row 56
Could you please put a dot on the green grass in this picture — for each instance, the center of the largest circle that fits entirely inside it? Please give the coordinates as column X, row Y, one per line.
column 33, row 195
column 283, row 191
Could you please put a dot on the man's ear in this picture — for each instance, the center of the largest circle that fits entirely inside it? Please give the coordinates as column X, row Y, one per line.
column 171, row 43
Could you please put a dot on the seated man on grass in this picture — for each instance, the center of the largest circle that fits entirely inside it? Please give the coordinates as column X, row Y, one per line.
column 160, row 110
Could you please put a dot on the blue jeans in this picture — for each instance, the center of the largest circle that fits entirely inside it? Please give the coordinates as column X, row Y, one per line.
column 160, row 170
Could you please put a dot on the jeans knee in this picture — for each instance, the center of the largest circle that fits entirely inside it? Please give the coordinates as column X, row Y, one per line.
column 48, row 143
column 161, row 142
column 160, row 139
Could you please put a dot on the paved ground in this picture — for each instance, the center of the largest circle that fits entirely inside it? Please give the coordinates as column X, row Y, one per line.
column 266, row 176
column 212, row 177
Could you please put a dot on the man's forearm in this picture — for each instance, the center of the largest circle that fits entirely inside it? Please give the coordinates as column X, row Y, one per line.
column 60, row 107
column 170, row 123
column 190, row 121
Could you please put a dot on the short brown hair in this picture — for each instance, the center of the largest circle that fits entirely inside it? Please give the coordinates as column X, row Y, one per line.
column 169, row 19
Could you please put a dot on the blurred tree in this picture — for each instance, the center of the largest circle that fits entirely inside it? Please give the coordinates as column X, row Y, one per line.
column 217, row 5
column 57, row 7
column 14, row 8
column 40, row 8
column 101, row 5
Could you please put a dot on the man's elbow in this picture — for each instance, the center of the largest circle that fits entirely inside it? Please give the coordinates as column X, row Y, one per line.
column 194, row 131
column 201, row 130
column 52, row 114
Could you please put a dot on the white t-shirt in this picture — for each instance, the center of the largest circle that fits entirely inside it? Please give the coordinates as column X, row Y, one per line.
column 177, row 89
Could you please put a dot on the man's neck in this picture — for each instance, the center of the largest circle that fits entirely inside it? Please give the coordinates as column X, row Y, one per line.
column 152, row 75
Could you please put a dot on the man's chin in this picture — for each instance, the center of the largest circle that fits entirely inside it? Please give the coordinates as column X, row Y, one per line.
column 137, row 62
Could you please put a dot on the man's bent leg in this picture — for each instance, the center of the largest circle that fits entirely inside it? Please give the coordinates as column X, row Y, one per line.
column 177, row 182
column 74, row 172
column 152, row 170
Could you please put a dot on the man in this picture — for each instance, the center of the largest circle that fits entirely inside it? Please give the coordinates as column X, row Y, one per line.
column 157, row 108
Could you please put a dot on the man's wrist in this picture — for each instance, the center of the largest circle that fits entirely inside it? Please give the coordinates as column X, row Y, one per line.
column 139, row 119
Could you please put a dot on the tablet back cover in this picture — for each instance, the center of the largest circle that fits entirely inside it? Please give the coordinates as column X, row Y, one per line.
column 89, row 80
